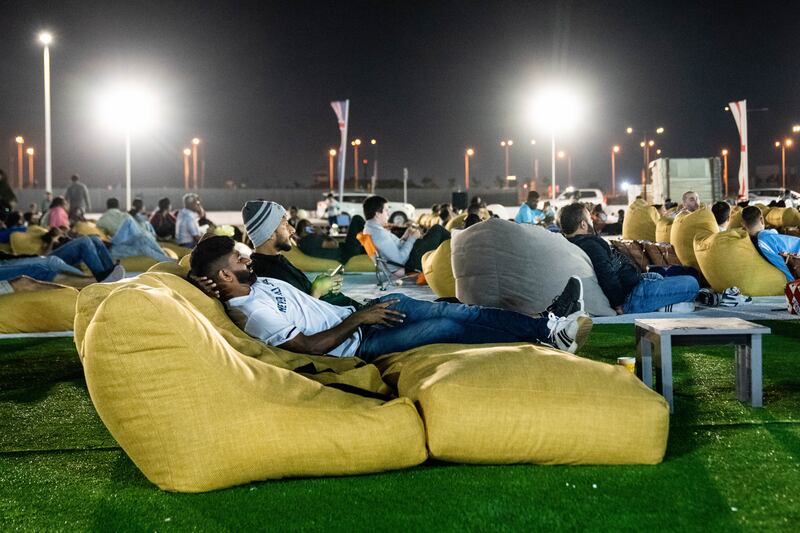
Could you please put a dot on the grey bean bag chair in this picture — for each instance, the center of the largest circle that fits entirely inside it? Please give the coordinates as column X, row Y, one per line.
column 520, row 267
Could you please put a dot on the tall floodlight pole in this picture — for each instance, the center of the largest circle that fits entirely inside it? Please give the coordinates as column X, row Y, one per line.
column 186, row 154
column 46, row 38
column 20, row 142
column 553, row 163
column 30, row 153
column 614, row 152
column 469, row 153
column 195, row 143
column 127, row 167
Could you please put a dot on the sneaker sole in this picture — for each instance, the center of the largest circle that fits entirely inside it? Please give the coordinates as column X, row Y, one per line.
column 584, row 328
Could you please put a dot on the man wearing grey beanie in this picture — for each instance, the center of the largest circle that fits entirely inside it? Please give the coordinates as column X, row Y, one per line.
column 270, row 232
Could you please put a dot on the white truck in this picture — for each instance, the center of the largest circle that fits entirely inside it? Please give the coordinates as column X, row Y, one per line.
column 671, row 177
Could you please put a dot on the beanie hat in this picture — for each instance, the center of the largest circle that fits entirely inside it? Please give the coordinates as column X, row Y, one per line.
column 261, row 219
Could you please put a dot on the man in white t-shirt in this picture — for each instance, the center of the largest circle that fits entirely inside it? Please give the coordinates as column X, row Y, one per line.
column 280, row 315
column 187, row 226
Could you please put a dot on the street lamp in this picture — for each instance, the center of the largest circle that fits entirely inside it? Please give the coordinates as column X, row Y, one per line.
column 561, row 155
column 46, row 38
column 783, row 145
column 355, row 144
column 30, row 151
column 195, row 144
column 129, row 108
column 725, row 170
column 374, row 144
column 535, row 163
column 796, row 129
column 507, row 144
column 646, row 143
column 187, row 152
column 20, row 141
column 331, row 157
column 614, row 152
column 557, row 108
column 469, row 153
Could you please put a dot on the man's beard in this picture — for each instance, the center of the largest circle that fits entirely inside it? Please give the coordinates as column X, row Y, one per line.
column 246, row 276
column 284, row 246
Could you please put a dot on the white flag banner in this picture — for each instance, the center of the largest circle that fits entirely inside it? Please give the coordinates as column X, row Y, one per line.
column 739, row 111
column 342, row 110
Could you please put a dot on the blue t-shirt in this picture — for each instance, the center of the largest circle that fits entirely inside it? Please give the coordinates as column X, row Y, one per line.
column 526, row 215
column 771, row 244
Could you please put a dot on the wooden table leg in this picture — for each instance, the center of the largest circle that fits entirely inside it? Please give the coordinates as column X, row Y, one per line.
column 644, row 358
column 664, row 369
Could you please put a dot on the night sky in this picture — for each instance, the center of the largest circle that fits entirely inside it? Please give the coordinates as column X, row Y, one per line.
column 426, row 79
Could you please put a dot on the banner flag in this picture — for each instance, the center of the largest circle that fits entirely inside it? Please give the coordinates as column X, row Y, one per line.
column 739, row 111
column 342, row 110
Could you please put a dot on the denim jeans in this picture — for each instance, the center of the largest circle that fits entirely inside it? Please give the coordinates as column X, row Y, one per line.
column 89, row 250
column 654, row 291
column 441, row 322
column 43, row 268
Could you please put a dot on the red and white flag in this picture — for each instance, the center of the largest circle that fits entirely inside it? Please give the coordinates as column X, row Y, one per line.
column 739, row 111
column 342, row 110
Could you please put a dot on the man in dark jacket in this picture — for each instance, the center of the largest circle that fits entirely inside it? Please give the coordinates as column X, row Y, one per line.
column 627, row 290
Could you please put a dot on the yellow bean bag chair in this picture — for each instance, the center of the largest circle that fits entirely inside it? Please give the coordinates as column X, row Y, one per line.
column 735, row 221
column 90, row 228
column 685, row 228
column 456, row 222
column 185, row 261
column 307, row 263
column 359, row 263
column 438, row 270
column 520, row 403
column 137, row 263
column 28, row 242
column 170, row 267
column 194, row 414
column 5, row 247
column 179, row 251
column 663, row 228
column 640, row 221
column 729, row 259
column 782, row 217
column 38, row 311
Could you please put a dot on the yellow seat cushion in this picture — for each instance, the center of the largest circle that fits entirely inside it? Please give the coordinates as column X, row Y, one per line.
column 685, row 228
column 28, row 242
column 194, row 414
column 170, row 267
column 180, row 251
column 520, row 403
column 438, row 270
column 90, row 228
column 640, row 221
column 137, row 263
column 783, row 217
column 306, row 263
column 38, row 311
column 456, row 222
column 185, row 261
column 5, row 247
column 359, row 263
column 735, row 221
column 729, row 259
column 663, row 228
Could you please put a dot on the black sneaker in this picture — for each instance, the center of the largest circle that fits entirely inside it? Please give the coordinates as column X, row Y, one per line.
column 569, row 301
column 708, row 298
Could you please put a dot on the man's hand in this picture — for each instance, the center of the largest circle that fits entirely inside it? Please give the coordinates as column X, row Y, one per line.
column 412, row 232
column 324, row 284
column 380, row 314
column 206, row 285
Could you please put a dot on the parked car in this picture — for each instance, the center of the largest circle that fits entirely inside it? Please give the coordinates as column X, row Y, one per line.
column 594, row 196
column 765, row 196
column 351, row 204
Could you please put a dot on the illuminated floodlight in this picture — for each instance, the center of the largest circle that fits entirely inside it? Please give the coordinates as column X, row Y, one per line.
column 557, row 108
column 625, row 185
column 187, row 152
column 128, row 107
column 46, row 38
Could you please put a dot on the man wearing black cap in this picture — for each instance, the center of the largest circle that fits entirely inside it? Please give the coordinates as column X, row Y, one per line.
column 270, row 232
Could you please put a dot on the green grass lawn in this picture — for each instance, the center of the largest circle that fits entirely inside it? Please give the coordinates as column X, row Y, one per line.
column 728, row 466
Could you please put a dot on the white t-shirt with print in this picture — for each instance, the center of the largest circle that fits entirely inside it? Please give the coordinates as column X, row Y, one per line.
column 276, row 312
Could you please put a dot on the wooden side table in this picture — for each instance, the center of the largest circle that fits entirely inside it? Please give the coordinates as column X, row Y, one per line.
column 656, row 337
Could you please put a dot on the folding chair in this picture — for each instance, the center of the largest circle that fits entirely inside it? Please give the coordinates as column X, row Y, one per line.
column 382, row 272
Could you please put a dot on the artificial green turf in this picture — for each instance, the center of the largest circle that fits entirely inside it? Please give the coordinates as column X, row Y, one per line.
column 728, row 466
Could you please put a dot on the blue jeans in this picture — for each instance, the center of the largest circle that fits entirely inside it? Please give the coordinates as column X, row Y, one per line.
column 441, row 322
column 89, row 250
column 43, row 268
column 654, row 291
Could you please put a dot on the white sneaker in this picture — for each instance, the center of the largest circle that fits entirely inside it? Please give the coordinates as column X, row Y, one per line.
column 568, row 333
column 680, row 307
column 116, row 274
column 732, row 296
